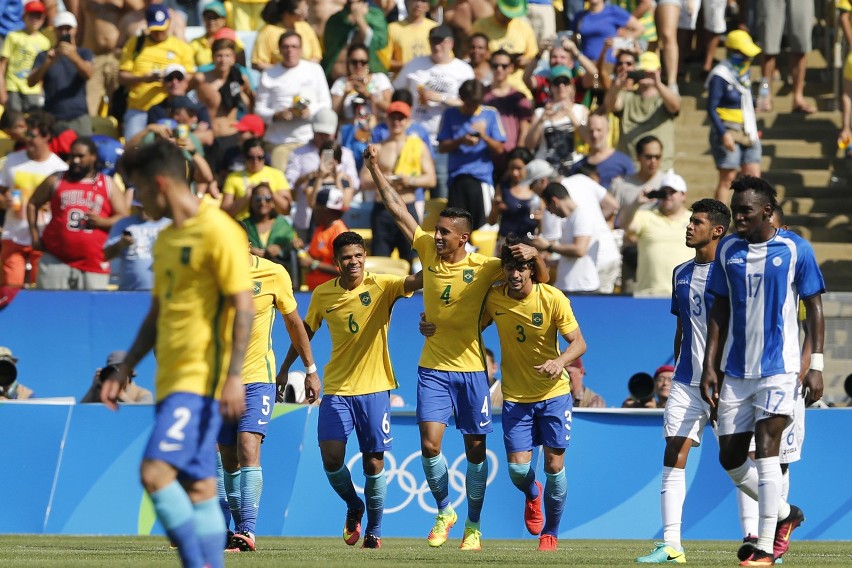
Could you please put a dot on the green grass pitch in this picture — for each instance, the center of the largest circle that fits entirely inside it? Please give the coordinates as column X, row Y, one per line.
column 90, row 551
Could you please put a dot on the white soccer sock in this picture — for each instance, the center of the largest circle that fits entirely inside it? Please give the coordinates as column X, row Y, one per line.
column 745, row 477
column 785, row 486
column 748, row 510
column 672, row 496
column 769, row 491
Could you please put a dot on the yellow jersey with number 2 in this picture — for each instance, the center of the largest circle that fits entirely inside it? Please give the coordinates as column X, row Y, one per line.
column 195, row 267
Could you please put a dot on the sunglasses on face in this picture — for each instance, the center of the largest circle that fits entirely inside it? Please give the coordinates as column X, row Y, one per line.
column 500, row 65
column 652, row 156
column 358, row 62
column 173, row 77
column 256, row 158
column 262, row 198
column 561, row 83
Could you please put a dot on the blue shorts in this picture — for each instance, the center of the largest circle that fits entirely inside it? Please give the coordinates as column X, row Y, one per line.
column 464, row 395
column 530, row 424
column 184, row 436
column 368, row 414
column 260, row 398
column 736, row 158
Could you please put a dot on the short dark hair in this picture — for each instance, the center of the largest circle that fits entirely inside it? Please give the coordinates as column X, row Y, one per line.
column 554, row 189
column 88, row 143
column 757, row 185
column 345, row 239
column 504, row 53
column 403, row 95
column 223, row 43
column 479, row 35
column 458, row 213
column 717, row 212
column 507, row 259
column 472, row 91
column 357, row 46
column 520, row 153
column 10, row 117
column 288, row 34
column 43, row 121
column 158, row 158
column 644, row 141
column 252, row 143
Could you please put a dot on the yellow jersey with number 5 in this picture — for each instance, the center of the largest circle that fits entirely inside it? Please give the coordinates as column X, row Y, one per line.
column 358, row 323
column 453, row 294
column 272, row 291
column 196, row 267
column 529, row 332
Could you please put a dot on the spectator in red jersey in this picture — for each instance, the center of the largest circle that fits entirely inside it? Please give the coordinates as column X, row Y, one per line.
column 84, row 205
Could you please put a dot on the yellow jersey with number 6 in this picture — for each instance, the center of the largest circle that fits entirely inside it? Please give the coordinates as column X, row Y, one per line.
column 453, row 294
column 529, row 332
column 358, row 323
column 196, row 267
column 272, row 291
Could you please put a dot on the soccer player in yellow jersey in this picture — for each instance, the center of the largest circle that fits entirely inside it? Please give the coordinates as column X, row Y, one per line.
column 199, row 324
column 537, row 399
column 451, row 376
column 358, row 379
column 239, row 442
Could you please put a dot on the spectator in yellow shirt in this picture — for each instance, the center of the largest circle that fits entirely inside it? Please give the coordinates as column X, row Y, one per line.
column 409, row 38
column 16, row 61
column 282, row 15
column 509, row 30
column 213, row 14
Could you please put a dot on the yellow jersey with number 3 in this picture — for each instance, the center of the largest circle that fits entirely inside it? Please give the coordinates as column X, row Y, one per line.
column 453, row 294
column 195, row 267
column 358, row 323
column 272, row 291
column 529, row 332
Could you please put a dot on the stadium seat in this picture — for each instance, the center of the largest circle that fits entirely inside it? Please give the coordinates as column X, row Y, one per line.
column 433, row 209
column 105, row 125
column 485, row 241
column 387, row 265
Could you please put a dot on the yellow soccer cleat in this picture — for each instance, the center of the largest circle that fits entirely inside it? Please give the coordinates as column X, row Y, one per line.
column 443, row 523
column 472, row 539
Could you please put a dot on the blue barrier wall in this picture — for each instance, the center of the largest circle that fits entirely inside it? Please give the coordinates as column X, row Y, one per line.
column 77, row 473
column 60, row 338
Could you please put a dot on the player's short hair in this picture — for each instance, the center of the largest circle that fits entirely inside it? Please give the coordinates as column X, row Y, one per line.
column 554, row 189
column 508, row 260
column 472, row 91
column 778, row 213
column 644, row 141
column 503, row 53
column 458, row 213
column 158, row 158
column 88, row 143
column 757, row 185
column 288, row 34
column 223, row 43
column 345, row 239
column 717, row 212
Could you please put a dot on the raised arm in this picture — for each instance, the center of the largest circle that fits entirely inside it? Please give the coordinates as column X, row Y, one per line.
column 393, row 202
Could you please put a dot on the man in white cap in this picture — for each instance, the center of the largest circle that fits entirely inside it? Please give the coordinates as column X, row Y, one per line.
column 304, row 165
column 63, row 72
column 658, row 234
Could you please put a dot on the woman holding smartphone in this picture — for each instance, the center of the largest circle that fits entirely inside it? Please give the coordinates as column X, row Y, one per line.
column 238, row 189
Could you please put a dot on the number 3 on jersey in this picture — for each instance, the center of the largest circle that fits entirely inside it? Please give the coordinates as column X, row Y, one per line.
column 446, row 294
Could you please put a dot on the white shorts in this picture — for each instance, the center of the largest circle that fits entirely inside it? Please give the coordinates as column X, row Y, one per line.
column 714, row 15
column 794, row 434
column 744, row 402
column 686, row 413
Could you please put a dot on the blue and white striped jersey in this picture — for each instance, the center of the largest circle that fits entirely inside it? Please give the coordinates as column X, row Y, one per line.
column 764, row 282
column 691, row 302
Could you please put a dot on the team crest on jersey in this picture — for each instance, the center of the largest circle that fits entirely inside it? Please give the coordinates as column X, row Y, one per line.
column 537, row 319
column 256, row 287
column 777, row 261
column 467, row 275
column 365, row 298
column 184, row 255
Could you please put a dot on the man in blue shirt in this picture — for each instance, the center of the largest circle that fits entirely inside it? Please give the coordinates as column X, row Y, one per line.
column 472, row 135
column 131, row 241
column 758, row 277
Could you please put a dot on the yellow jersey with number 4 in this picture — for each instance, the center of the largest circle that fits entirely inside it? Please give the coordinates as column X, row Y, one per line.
column 529, row 332
column 272, row 291
column 358, row 323
column 453, row 294
column 195, row 267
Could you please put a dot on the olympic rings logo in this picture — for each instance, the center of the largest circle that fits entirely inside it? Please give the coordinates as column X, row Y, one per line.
column 413, row 485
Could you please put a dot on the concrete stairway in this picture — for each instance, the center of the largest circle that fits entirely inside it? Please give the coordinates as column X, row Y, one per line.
column 800, row 158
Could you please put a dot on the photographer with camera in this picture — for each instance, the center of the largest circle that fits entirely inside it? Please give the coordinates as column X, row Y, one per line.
column 130, row 394
column 63, row 72
column 10, row 388
column 647, row 391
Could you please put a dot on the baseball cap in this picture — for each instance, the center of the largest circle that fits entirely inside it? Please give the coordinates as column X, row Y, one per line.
column 251, row 123
column 561, row 71
column 674, row 181
column 536, row 170
column 325, row 122
column 663, row 369
column 331, row 198
column 157, row 18
column 226, row 33
column 512, row 8
column 64, row 19
column 174, row 68
column 441, row 32
column 34, row 7
column 649, row 61
column 739, row 40
column 401, row 107
column 216, row 7
column 116, row 357
column 6, row 354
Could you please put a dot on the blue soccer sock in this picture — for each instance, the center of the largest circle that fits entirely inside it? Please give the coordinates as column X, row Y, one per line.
column 251, row 486
column 211, row 530
column 438, row 478
column 475, row 480
column 220, row 490
column 175, row 512
column 374, row 493
column 232, row 492
column 341, row 481
column 523, row 477
column 555, row 491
